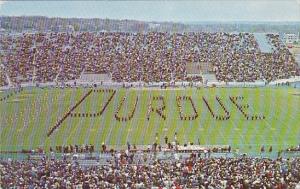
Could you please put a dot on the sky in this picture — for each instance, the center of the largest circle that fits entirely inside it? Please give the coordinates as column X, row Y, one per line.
column 167, row 10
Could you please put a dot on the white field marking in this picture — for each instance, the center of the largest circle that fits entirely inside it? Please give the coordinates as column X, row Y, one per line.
column 156, row 89
column 25, row 95
column 16, row 100
column 20, row 130
column 147, row 125
column 294, row 93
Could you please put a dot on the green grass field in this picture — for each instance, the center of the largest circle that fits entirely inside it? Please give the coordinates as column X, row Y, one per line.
column 26, row 118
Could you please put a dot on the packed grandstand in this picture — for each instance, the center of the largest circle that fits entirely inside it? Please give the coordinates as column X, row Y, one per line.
column 150, row 57
column 122, row 171
column 38, row 149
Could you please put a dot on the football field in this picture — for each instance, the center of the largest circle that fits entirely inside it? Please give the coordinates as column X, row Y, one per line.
column 212, row 116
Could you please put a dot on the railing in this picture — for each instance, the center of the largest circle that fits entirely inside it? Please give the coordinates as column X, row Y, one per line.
column 165, row 154
column 294, row 79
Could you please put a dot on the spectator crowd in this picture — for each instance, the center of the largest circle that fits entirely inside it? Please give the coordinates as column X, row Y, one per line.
column 148, row 57
column 123, row 171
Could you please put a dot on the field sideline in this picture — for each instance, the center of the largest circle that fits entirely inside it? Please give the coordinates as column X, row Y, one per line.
column 26, row 118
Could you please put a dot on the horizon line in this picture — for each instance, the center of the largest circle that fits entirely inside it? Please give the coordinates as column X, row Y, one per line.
column 169, row 21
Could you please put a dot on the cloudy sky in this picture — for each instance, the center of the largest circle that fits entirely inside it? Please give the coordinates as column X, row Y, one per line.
column 180, row 11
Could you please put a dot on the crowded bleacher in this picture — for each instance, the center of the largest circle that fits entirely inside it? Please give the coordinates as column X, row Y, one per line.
column 126, row 171
column 148, row 57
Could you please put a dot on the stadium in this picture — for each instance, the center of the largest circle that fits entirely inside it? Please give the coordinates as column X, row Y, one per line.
column 112, row 103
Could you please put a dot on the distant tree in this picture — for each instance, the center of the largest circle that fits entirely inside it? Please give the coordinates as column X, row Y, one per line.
column 76, row 27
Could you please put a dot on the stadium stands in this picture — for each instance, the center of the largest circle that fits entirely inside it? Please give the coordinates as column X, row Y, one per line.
column 125, row 171
column 149, row 57
column 2, row 79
